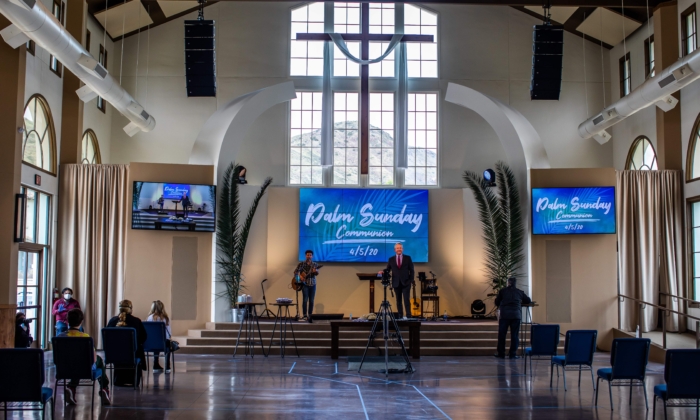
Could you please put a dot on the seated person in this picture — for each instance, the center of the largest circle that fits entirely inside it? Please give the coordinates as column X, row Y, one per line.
column 22, row 337
column 75, row 320
column 124, row 377
column 158, row 313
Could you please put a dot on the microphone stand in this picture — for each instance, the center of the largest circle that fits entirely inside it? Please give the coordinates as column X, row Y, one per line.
column 266, row 313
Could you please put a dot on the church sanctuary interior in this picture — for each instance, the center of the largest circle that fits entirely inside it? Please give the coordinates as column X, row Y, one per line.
column 245, row 209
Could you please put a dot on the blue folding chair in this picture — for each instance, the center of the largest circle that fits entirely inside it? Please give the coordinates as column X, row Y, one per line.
column 544, row 340
column 74, row 358
column 155, row 339
column 120, row 351
column 22, row 387
column 682, row 376
column 629, row 358
column 578, row 353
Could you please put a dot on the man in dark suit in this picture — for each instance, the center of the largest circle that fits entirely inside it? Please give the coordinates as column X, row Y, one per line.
column 402, row 273
column 510, row 301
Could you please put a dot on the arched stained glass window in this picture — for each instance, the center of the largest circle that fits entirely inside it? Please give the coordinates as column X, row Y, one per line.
column 39, row 142
column 90, row 149
column 692, row 169
column 642, row 156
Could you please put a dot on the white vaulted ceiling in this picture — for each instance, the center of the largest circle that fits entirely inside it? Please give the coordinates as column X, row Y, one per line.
column 124, row 18
column 608, row 26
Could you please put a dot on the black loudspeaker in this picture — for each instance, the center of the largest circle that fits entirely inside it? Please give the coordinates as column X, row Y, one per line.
column 547, row 54
column 200, row 58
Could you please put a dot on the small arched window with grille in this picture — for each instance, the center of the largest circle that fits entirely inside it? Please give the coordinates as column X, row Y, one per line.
column 642, row 156
column 90, row 149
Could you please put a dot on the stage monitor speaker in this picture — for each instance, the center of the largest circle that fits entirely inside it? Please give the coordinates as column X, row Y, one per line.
column 547, row 55
column 200, row 58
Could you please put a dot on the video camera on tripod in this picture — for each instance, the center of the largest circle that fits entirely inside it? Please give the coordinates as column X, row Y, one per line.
column 386, row 277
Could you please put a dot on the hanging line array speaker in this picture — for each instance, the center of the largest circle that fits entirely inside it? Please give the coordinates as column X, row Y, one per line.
column 200, row 58
column 547, row 55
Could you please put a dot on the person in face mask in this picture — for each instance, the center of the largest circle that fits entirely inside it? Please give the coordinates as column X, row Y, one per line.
column 61, row 308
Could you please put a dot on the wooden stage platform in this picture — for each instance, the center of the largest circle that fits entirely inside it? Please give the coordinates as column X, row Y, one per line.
column 464, row 337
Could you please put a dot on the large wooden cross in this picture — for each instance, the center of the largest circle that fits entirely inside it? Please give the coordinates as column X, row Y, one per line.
column 364, row 37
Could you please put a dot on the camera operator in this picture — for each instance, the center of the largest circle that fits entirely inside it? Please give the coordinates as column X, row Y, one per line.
column 22, row 337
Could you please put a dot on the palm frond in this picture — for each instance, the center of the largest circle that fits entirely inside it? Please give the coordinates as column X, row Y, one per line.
column 487, row 206
column 501, row 220
column 231, row 237
column 512, row 217
column 245, row 229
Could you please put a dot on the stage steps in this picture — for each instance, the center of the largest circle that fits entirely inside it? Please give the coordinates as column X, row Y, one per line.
column 471, row 338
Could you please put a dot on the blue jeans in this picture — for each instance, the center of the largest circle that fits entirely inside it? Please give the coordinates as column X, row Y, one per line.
column 61, row 327
column 309, row 293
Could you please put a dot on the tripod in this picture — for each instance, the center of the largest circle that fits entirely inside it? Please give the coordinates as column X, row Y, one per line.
column 266, row 313
column 386, row 315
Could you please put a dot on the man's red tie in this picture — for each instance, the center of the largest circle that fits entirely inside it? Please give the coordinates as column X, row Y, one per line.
column 399, row 261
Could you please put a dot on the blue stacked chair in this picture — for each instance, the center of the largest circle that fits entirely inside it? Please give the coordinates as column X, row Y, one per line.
column 120, row 351
column 22, row 387
column 579, row 348
column 682, row 376
column 74, row 359
column 155, row 338
column 544, row 340
column 628, row 357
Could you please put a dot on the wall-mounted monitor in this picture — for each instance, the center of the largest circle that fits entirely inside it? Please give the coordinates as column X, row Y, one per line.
column 173, row 207
column 567, row 211
column 362, row 225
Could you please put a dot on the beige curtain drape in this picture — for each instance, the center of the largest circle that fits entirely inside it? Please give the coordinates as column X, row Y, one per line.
column 650, row 239
column 92, row 222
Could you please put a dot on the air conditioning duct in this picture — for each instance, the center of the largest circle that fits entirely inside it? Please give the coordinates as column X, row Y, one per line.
column 32, row 20
column 657, row 91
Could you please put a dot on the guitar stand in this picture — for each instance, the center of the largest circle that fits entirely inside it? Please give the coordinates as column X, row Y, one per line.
column 386, row 315
column 267, row 313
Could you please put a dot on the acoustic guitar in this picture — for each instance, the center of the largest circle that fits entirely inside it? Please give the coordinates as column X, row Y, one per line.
column 299, row 280
column 415, row 303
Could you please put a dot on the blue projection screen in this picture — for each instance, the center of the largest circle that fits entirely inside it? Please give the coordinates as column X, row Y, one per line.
column 362, row 225
column 566, row 211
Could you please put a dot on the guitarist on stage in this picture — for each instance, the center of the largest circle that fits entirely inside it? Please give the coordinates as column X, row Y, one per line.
column 309, row 269
column 402, row 273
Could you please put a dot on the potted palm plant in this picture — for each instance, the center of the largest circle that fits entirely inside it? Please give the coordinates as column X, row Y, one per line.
column 501, row 223
column 232, row 236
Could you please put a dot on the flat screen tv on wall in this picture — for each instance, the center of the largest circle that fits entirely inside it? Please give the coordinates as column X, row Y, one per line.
column 173, row 207
column 362, row 225
column 570, row 211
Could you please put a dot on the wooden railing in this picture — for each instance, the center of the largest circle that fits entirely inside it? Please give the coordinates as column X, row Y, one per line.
column 666, row 312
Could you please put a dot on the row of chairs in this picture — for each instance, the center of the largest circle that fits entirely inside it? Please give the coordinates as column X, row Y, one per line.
column 73, row 358
column 628, row 360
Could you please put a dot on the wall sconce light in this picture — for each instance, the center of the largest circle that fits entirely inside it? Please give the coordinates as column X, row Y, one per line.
column 19, row 217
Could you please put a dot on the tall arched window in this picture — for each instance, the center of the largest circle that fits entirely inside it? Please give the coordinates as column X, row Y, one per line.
column 692, row 167
column 364, row 143
column 642, row 156
column 90, row 149
column 39, row 142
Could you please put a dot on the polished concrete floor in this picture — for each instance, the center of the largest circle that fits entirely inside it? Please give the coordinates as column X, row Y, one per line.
column 219, row 387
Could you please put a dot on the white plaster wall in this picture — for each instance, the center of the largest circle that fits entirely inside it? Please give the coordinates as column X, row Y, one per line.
column 643, row 123
column 484, row 47
column 100, row 122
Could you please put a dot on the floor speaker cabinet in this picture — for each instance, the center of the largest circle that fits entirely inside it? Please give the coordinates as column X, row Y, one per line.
column 200, row 58
column 547, row 54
